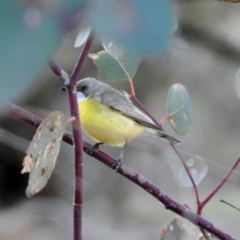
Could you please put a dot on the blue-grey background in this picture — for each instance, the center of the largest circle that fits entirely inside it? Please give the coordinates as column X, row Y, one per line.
column 204, row 56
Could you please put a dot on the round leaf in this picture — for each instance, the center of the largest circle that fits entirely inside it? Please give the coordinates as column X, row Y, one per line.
column 179, row 109
column 116, row 62
column 128, row 60
column 82, row 35
column 108, row 67
column 27, row 39
column 144, row 27
column 198, row 170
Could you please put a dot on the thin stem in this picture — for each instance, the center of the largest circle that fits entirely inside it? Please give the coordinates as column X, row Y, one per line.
column 220, row 184
column 130, row 174
column 189, row 174
column 55, row 68
column 229, row 204
column 59, row 71
column 132, row 87
column 175, row 150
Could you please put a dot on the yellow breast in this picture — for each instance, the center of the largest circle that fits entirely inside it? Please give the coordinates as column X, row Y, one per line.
column 105, row 125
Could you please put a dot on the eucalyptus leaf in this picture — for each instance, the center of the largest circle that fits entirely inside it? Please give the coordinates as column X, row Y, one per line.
column 43, row 151
column 82, row 35
column 128, row 60
column 198, row 170
column 108, row 67
column 179, row 109
column 116, row 62
column 27, row 39
column 140, row 25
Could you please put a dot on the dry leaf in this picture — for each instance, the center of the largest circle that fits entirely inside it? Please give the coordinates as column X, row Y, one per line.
column 43, row 151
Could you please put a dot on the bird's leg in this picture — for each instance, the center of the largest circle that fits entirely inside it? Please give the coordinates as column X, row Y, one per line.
column 119, row 161
column 94, row 148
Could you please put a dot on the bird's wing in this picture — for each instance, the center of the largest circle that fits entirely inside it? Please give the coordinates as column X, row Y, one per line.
column 137, row 116
column 117, row 101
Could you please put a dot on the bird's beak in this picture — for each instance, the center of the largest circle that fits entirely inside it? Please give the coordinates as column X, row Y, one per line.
column 63, row 89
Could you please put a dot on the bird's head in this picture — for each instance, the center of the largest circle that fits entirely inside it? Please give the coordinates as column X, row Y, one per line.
column 88, row 88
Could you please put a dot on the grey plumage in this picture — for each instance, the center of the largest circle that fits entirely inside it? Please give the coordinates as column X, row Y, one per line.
column 119, row 102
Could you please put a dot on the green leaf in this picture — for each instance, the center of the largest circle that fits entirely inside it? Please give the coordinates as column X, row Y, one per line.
column 237, row 84
column 27, row 39
column 128, row 60
column 43, row 151
column 198, row 170
column 145, row 26
column 179, row 109
column 108, row 67
column 116, row 63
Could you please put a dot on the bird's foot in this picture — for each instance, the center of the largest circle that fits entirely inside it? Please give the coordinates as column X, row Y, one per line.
column 117, row 164
column 119, row 161
column 93, row 149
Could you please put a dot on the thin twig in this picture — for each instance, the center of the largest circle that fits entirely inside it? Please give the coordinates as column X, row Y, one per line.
column 58, row 71
column 133, row 176
column 220, row 184
column 229, row 204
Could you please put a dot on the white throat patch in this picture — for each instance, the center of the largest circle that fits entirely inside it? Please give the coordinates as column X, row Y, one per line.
column 81, row 97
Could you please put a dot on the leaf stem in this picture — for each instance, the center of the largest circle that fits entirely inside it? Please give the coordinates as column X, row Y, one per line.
column 132, row 87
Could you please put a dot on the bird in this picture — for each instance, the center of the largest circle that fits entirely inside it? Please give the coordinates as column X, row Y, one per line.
column 109, row 117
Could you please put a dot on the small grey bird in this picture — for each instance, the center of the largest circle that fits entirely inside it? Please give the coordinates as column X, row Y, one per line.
column 109, row 117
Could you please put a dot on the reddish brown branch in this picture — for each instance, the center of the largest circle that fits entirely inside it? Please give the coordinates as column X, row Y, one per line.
column 220, row 184
column 70, row 82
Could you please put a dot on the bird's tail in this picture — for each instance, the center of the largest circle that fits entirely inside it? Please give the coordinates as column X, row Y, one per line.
column 168, row 138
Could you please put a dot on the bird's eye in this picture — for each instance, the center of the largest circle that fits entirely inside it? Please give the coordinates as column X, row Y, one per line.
column 83, row 88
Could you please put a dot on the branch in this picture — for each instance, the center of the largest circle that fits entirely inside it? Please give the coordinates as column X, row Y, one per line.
column 78, row 143
column 71, row 82
column 59, row 71
column 133, row 176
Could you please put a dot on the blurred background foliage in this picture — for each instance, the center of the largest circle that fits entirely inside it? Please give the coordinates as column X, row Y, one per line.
column 203, row 55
